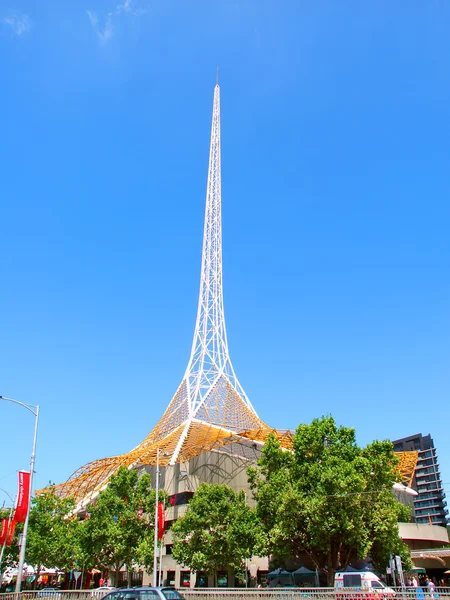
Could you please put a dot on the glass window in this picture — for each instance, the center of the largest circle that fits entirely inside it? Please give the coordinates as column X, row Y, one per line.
column 171, row 594
column 185, row 579
column 377, row 584
column 352, row 581
column 202, row 580
column 222, row 579
column 148, row 595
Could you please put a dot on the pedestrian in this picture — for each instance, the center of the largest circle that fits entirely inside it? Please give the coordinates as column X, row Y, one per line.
column 101, row 582
column 414, row 581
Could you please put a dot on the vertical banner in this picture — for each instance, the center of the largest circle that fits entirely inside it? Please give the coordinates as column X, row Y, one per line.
column 161, row 520
column 11, row 530
column 23, row 497
column 4, row 531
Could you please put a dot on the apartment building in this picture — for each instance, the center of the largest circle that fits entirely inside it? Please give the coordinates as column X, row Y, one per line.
column 430, row 505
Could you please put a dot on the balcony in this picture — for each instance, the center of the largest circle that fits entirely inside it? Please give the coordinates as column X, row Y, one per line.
column 427, row 462
column 428, row 471
column 429, row 510
column 433, row 504
column 429, row 480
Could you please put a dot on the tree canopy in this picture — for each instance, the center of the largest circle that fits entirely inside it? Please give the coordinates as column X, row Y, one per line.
column 218, row 530
column 328, row 498
column 119, row 526
column 51, row 533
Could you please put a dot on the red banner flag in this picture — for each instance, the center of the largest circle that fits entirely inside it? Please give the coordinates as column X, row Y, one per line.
column 23, row 497
column 11, row 530
column 4, row 531
column 161, row 520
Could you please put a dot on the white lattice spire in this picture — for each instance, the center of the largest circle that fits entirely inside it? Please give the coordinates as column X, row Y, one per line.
column 210, row 367
column 209, row 357
column 209, row 408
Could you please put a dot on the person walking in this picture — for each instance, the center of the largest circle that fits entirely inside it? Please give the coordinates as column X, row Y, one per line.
column 431, row 587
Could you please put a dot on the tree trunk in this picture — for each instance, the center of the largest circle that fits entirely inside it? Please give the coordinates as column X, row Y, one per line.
column 37, row 574
column 118, row 566
column 333, row 563
column 129, row 577
column 330, row 575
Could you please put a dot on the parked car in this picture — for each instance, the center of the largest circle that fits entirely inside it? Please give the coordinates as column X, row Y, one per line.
column 101, row 592
column 145, row 593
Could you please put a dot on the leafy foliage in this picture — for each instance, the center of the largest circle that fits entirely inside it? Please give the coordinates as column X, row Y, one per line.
column 51, row 533
column 218, row 530
column 119, row 527
column 328, row 498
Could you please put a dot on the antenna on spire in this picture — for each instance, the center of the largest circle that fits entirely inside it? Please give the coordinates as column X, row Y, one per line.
column 217, row 76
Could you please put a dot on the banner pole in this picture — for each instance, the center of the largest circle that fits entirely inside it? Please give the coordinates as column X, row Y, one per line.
column 160, row 562
column 25, row 527
column 155, row 539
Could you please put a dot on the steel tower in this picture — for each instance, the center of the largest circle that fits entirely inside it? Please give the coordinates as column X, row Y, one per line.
column 209, row 408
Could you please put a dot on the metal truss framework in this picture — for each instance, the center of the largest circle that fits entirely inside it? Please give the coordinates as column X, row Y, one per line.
column 407, row 465
column 209, row 409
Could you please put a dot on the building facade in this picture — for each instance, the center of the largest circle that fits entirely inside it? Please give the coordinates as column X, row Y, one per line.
column 430, row 505
column 226, row 465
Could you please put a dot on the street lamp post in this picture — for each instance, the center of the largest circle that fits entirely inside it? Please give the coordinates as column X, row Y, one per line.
column 155, row 540
column 35, row 411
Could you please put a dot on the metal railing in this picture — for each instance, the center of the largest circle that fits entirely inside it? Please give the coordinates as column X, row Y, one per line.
column 55, row 595
column 407, row 593
column 288, row 593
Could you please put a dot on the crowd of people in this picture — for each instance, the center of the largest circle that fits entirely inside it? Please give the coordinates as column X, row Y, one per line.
column 423, row 581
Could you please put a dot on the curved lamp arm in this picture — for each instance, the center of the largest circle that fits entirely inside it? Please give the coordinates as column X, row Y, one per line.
column 29, row 407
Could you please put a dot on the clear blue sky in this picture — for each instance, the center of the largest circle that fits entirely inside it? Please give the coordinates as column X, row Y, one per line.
column 336, row 185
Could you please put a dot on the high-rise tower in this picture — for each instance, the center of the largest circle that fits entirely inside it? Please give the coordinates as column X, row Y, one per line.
column 210, row 408
column 430, row 506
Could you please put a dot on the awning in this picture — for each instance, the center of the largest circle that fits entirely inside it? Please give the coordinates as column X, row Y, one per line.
column 417, row 570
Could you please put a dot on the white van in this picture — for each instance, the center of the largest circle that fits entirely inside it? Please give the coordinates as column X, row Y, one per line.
column 361, row 581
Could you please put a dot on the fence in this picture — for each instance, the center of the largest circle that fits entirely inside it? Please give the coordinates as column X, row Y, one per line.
column 408, row 593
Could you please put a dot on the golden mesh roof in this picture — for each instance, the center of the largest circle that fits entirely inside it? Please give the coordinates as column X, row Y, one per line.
column 223, row 419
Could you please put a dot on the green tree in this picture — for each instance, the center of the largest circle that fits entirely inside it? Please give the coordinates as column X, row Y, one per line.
column 119, row 527
column 52, row 533
column 218, row 530
column 328, row 498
